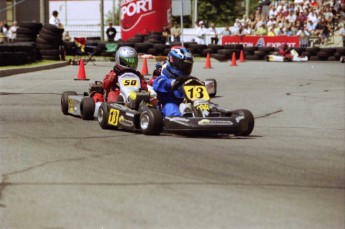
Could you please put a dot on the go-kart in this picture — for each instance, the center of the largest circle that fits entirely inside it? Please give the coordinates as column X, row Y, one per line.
column 84, row 106
column 200, row 116
column 275, row 57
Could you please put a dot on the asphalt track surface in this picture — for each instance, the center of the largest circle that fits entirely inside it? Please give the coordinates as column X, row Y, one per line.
column 62, row 172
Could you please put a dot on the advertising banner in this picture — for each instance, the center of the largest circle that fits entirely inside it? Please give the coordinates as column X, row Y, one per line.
column 143, row 16
column 261, row 41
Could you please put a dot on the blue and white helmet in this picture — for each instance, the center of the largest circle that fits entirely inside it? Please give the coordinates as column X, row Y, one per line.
column 180, row 61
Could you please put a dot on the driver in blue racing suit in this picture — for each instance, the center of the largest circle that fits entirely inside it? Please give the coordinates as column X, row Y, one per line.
column 178, row 66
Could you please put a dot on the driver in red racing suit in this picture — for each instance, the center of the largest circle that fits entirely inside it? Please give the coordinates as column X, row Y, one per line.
column 285, row 51
column 126, row 59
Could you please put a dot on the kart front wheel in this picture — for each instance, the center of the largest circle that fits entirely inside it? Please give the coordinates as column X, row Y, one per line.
column 64, row 101
column 151, row 122
column 249, row 119
column 87, row 108
column 102, row 116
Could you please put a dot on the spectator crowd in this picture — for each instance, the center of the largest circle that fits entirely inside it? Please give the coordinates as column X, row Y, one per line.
column 317, row 19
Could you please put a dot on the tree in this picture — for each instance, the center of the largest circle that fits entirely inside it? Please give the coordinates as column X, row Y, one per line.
column 220, row 12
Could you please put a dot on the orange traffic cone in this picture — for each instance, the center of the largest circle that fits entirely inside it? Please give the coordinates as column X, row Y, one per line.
column 208, row 61
column 242, row 56
column 144, row 69
column 81, row 72
column 233, row 60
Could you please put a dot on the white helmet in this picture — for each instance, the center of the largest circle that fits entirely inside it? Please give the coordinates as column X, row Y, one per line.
column 126, row 58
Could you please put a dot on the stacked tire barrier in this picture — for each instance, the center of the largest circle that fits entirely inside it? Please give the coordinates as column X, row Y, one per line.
column 49, row 41
column 19, row 53
column 313, row 53
column 27, row 31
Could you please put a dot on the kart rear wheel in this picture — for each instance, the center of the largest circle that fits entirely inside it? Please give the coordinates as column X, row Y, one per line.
column 87, row 108
column 249, row 118
column 151, row 122
column 103, row 115
column 64, row 101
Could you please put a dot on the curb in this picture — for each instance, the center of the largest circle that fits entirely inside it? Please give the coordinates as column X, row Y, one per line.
column 8, row 72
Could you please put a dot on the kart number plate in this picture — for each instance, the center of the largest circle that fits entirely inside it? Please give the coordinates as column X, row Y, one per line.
column 196, row 92
column 70, row 105
column 130, row 82
column 113, row 118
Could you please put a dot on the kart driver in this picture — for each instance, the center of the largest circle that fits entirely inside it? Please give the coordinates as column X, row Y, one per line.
column 285, row 51
column 155, row 73
column 126, row 59
column 178, row 66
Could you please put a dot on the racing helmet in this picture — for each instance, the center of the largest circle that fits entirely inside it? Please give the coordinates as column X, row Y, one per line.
column 126, row 58
column 180, row 61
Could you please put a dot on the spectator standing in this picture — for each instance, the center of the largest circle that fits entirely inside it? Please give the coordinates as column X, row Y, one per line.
column 3, row 31
column 111, row 32
column 326, row 31
column 265, row 9
column 226, row 31
column 303, row 36
column 214, row 34
column 342, row 33
column 313, row 17
column 175, row 32
column 54, row 20
column 166, row 35
column 67, row 37
column 201, row 33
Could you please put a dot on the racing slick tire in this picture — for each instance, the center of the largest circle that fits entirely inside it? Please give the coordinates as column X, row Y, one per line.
column 103, row 116
column 151, row 122
column 249, row 118
column 64, row 101
column 87, row 108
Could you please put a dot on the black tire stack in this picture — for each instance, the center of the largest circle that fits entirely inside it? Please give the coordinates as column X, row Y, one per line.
column 49, row 41
column 27, row 31
column 224, row 52
column 17, row 53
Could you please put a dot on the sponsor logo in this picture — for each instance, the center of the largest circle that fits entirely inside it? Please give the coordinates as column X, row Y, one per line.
column 179, row 119
column 129, row 114
column 130, row 8
column 125, row 122
column 205, row 122
column 260, row 42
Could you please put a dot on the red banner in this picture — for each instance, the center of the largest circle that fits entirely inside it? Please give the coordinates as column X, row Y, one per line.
column 261, row 41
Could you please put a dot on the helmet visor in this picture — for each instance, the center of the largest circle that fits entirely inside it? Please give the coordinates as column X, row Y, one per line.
column 185, row 66
column 130, row 62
